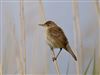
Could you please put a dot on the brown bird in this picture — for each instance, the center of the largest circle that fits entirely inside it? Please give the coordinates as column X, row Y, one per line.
column 56, row 38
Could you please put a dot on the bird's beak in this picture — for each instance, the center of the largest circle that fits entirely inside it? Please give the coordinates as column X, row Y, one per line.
column 41, row 24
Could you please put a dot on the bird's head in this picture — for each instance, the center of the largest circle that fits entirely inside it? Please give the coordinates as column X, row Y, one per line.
column 48, row 24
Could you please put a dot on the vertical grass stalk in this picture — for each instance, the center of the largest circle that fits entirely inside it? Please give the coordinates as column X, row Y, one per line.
column 42, row 11
column 94, row 65
column 22, row 40
column 42, row 20
column 0, row 69
column 77, row 33
column 97, row 4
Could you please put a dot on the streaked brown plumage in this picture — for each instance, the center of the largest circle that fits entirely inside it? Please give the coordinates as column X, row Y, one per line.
column 56, row 38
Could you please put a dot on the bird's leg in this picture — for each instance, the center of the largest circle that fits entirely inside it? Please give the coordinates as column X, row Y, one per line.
column 53, row 55
column 58, row 53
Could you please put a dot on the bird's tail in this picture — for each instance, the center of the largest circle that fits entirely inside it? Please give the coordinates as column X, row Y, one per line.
column 68, row 48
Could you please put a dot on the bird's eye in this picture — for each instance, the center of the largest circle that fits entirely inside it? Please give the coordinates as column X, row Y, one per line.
column 48, row 25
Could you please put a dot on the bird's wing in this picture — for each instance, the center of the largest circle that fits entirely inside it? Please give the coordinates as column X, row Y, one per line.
column 58, row 34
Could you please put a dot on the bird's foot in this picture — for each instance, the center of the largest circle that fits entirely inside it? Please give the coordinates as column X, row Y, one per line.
column 54, row 58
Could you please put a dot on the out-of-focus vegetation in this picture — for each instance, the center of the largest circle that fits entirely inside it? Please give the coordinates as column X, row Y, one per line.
column 24, row 50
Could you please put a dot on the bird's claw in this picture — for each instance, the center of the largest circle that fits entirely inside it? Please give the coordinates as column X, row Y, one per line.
column 54, row 58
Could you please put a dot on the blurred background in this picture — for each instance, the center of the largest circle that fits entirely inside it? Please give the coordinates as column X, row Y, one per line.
column 23, row 48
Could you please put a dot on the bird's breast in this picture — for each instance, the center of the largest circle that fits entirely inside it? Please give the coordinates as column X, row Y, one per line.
column 53, row 42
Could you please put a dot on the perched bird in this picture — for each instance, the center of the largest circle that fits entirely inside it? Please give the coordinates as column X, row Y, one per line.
column 56, row 38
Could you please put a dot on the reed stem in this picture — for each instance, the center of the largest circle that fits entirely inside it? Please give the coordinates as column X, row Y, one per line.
column 97, row 5
column 55, row 62
column 77, row 33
